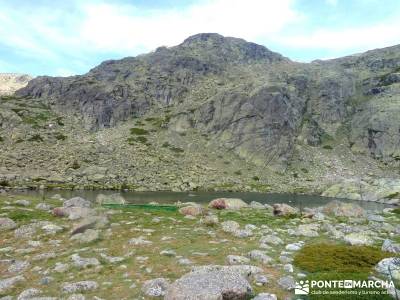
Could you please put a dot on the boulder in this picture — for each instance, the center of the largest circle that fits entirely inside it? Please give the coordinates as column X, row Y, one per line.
column 192, row 210
column 390, row 246
column 8, row 283
column 358, row 239
column 227, row 203
column 230, row 226
column 342, row 209
column 7, row 224
column 210, row 284
column 77, row 202
column 282, row 209
column 308, row 230
column 389, row 267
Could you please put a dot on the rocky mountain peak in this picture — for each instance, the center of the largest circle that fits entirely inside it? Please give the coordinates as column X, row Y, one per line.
column 10, row 82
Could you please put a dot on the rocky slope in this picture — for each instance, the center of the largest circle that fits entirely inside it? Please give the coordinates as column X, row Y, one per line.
column 10, row 82
column 211, row 113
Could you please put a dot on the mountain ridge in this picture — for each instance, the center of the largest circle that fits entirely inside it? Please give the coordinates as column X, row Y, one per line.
column 267, row 113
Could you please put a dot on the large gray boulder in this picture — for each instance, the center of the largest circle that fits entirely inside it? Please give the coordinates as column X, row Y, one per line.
column 77, row 202
column 214, row 284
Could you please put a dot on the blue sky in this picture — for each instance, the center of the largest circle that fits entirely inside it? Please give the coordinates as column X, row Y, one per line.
column 65, row 37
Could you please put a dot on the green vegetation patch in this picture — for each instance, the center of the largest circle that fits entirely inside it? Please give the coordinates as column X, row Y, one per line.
column 35, row 138
column 24, row 216
column 324, row 257
column 138, row 131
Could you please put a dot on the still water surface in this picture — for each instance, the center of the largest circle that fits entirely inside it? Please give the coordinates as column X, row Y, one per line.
column 203, row 197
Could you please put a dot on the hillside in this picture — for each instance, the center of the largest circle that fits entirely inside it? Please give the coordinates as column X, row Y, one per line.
column 213, row 113
column 10, row 82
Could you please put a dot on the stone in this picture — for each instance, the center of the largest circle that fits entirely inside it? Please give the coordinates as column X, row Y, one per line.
column 308, row 230
column 61, row 267
column 342, row 209
column 29, row 294
column 77, row 202
column 155, row 287
column 294, row 246
column 237, row 260
column 52, row 228
column 288, row 268
column 227, row 203
column 140, row 241
column 168, row 252
column 9, row 283
column 271, row 239
column 210, row 220
column 82, row 262
column 358, row 239
column 282, row 209
column 22, row 202
column 265, row 296
column 7, row 224
column 44, row 256
column 112, row 259
column 260, row 256
column 242, row 233
column 390, row 246
column 43, row 206
column 18, row 266
column 87, row 236
column 375, row 218
column 260, row 279
column 110, row 199
column 25, row 231
column 287, row 282
column 230, row 226
column 210, row 284
column 192, row 210
column 76, row 297
column 184, row 262
column 389, row 267
column 80, row 286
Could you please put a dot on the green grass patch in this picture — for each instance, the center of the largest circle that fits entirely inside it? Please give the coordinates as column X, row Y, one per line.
column 24, row 216
column 324, row 257
column 138, row 131
column 60, row 137
column 35, row 138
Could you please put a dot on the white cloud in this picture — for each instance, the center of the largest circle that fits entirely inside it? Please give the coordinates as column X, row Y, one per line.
column 126, row 28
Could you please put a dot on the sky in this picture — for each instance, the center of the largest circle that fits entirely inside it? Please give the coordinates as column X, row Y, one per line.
column 67, row 37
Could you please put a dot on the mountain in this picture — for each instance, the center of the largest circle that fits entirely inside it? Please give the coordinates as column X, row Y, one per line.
column 211, row 113
column 10, row 82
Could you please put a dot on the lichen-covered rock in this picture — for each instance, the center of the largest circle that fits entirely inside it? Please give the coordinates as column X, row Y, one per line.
column 390, row 246
column 210, row 285
column 358, row 239
column 155, row 287
column 8, row 283
column 389, row 267
column 77, row 202
column 192, row 210
column 7, row 224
